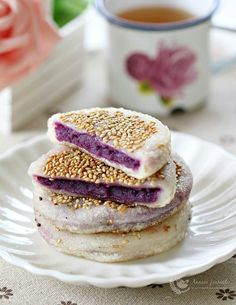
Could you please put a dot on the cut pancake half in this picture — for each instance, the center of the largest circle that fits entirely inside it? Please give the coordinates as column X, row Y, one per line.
column 85, row 215
column 135, row 143
column 73, row 172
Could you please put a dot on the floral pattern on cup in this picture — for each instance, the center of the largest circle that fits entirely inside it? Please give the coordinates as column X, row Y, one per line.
column 167, row 74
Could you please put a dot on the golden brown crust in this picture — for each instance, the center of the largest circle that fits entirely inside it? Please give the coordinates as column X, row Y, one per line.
column 76, row 164
column 129, row 132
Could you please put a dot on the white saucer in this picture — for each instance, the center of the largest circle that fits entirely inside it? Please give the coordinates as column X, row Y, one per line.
column 211, row 237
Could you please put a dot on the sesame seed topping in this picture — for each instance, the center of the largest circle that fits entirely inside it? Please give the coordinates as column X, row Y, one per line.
column 178, row 170
column 122, row 131
column 75, row 202
column 117, row 246
column 122, row 208
column 137, row 234
column 58, row 242
column 166, row 228
column 75, row 164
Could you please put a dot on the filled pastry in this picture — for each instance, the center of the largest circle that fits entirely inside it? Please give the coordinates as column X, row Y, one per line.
column 101, row 197
column 135, row 143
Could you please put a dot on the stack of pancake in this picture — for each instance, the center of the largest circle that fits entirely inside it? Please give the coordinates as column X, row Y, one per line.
column 110, row 190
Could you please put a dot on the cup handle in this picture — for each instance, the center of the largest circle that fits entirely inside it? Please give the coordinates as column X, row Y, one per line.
column 224, row 64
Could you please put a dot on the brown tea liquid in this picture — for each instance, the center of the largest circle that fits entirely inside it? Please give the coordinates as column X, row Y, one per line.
column 155, row 14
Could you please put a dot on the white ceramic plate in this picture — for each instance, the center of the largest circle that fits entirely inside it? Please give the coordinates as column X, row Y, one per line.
column 211, row 237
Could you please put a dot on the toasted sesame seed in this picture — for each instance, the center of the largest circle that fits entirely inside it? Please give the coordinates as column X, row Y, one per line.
column 117, row 246
column 137, row 234
column 166, row 228
column 75, row 202
column 115, row 232
column 122, row 208
column 128, row 132
column 58, row 242
column 178, row 170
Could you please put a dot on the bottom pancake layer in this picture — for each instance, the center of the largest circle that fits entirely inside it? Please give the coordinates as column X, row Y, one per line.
column 115, row 247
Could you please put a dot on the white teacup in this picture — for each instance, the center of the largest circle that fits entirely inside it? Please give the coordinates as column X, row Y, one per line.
column 158, row 68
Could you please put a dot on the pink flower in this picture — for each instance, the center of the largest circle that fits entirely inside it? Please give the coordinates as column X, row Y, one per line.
column 26, row 38
column 138, row 65
column 168, row 73
column 172, row 70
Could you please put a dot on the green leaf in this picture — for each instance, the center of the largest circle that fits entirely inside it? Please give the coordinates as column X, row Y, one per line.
column 66, row 10
column 166, row 101
column 144, row 87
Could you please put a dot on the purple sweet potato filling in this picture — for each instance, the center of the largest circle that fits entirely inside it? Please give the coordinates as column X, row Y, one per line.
column 102, row 191
column 93, row 145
